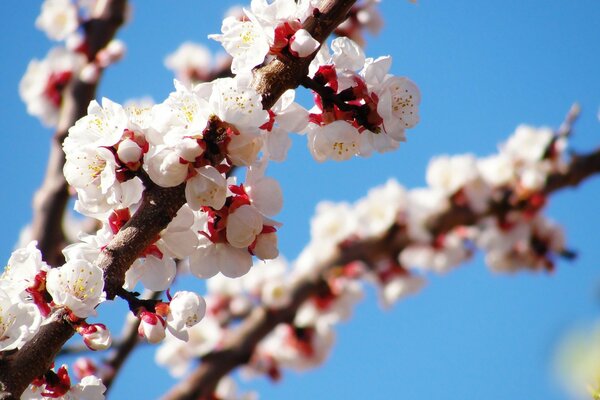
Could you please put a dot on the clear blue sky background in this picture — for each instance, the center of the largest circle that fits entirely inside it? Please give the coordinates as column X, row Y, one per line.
column 483, row 68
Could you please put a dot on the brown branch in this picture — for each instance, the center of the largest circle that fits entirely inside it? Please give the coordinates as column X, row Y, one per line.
column 51, row 199
column 20, row 368
column 580, row 168
column 239, row 346
column 160, row 205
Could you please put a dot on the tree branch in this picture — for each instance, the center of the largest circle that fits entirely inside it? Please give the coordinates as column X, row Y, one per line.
column 50, row 200
column 159, row 206
column 237, row 348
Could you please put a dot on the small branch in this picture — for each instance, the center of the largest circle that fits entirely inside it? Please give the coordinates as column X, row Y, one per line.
column 566, row 128
column 327, row 94
column 50, row 201
column 136, row 304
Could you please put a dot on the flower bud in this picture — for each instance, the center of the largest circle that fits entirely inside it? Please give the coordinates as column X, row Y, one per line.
column 95, row 336
column 83, row 367
column 129, row 151
column 243, row 225
column 302, row 44
column 89, row 73
column 265, row 246
column 185, row 310
column 152, row 327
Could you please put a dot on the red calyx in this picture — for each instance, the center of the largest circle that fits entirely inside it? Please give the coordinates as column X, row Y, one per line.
column 57, row 81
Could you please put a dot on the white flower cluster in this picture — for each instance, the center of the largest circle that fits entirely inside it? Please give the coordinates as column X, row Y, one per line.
column 42, row 86
column 57, row 385
column 195, row 138
column 506, row 223
column 29, row 292
column 267, row 29
column 357, row 113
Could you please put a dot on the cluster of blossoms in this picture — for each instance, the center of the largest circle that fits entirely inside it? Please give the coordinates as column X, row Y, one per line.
column 506, row 222
column 357, row 113
column 57, row 385
column 196, row 137
column 193, row 63
column 42, row 86
column 29, row 292
column 267, row 30
column 194, row 140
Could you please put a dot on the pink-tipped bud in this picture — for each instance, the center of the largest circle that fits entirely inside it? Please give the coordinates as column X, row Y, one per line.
column 83, row 367
column 152, row 327
column 95, row 336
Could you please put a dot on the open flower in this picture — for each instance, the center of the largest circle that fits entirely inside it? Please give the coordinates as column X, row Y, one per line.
column 78, row 285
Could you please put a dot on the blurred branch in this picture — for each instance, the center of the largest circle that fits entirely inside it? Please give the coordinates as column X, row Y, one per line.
column 239, row 345
column 50, row 201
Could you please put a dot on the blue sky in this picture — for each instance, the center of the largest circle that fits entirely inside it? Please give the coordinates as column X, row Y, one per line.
column 483, row 68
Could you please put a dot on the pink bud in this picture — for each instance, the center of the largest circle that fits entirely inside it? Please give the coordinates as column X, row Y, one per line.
column 95, row 336
column 84, row 367
column 90, row 73
column 152, row 327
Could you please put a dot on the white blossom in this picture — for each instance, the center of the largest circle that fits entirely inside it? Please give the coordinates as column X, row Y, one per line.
column 103, row 126
column 186, row 309
column 190, row 62
column 20, row 272
column 380, row 209
column 212, row 258
column 245, row 41
column 58, row 19
column 338, row 141
column 243, row 225
column 18, row 322
column 77, row 285
column 41, row 86
column 528, row 144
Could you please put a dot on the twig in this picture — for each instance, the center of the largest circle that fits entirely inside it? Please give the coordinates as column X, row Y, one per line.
column 327, row 94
